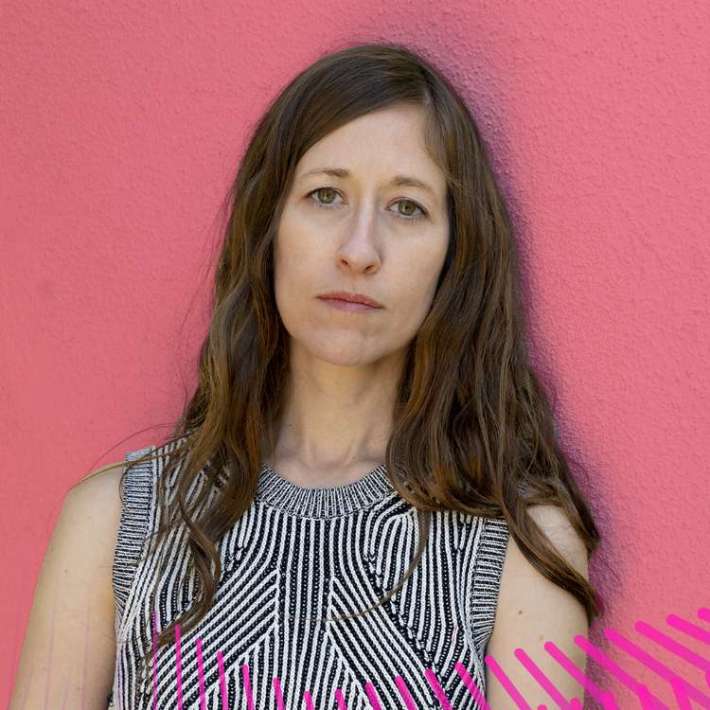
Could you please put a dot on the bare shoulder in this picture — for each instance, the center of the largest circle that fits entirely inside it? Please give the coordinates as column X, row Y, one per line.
column 531, row 610
column 107, row 476
column 96, row 500
column 558, row 529
column 69, row 642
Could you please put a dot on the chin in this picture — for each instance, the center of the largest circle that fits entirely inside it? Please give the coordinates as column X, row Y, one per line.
column 344, row 355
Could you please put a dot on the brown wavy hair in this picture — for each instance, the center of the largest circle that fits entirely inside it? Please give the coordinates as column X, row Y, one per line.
column 472, row 428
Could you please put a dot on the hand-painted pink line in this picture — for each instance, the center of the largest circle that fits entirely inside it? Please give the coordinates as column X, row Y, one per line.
column 404, row 692
column 200, row 674
column 656, row 666
column 640, row 690
column 584, row 680
column 471, row 685
column 704, row 613
column 688, row 628
column 277, row 692
column 178, row 666
column 681, row 697
column 340, row 699
column 309, row 700
column 506, row 683
column 438, row 690
column 672, row 645
column 372, row 696
column 534, row 670
column 154, row 642
column 247, row 687
column 222, row 680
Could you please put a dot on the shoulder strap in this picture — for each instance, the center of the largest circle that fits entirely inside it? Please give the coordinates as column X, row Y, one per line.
column 136, row 499
column 486, row 580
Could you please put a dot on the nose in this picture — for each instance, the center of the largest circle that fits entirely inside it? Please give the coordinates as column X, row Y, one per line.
column 359, row 248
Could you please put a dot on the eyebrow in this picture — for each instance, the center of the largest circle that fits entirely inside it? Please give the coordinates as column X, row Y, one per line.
column 397, row 180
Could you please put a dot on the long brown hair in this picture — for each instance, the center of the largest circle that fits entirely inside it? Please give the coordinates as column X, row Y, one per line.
column 472, row 428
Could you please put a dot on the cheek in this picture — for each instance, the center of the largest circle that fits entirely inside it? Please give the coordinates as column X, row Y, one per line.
column 417, row 279
column 291, row 250
column 296, row 270
column 421, row 274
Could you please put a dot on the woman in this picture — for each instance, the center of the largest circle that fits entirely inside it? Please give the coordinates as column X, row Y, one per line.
column 365, row 487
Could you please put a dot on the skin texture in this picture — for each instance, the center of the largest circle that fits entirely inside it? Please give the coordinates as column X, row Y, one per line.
column 345, row 365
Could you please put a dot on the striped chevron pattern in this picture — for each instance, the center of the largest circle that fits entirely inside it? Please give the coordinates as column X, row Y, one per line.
column 296, row 558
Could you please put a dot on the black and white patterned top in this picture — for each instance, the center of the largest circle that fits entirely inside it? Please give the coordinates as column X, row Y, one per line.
column 297, row 557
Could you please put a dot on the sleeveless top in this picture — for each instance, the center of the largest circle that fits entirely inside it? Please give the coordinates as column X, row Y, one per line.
column 297, row 557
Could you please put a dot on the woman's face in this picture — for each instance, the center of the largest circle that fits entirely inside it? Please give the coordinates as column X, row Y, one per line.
column 361, row 233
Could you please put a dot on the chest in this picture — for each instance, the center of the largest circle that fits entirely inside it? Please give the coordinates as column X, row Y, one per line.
column 289, row 605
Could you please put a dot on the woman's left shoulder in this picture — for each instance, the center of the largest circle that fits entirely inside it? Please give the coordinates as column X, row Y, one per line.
column 559, row 531
column 531, row 609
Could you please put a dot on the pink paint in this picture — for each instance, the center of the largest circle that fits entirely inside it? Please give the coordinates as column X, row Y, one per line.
column 119, row 131
column 222, row 681
column 200, row 674
column 471, row 686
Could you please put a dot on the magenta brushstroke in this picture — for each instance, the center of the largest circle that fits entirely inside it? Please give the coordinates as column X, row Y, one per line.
column 584, row 680
column 404, row 692
column 506, row 683
column 438, row 690
column 340, row 699
column 649, row 701
column 672, row 645
column 541, row 678
column 688, row 628
column 200, row 675
column 687, row 695
column 372, row 696
column 247, row 687
column 471, row 686
column 278, row 694
column 678, row 683
column 222, row 680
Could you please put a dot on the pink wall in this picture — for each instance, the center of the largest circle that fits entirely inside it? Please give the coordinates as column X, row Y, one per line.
column 121, row 126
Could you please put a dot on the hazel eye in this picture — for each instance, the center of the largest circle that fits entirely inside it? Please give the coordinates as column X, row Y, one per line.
column 321, row 190
column 407, row 215
column 422, row 211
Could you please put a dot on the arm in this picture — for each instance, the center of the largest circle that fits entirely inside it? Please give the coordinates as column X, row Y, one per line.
column 532, row 610
column 68, row 655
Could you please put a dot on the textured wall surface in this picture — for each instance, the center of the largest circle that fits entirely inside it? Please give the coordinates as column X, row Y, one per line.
column 121, row 125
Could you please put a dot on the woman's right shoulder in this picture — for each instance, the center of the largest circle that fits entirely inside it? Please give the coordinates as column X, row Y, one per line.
column 101, row 490
column 77, row 568
column 104, row 481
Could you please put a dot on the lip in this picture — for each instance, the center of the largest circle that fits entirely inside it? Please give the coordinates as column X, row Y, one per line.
column 352, row 298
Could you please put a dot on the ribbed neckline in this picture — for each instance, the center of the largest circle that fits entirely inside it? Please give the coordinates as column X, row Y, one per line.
column 278, row 492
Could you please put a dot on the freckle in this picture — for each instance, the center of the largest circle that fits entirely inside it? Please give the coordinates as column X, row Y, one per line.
column 520, row 611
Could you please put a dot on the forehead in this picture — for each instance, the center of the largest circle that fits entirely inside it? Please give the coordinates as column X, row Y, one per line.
column 387, row 144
